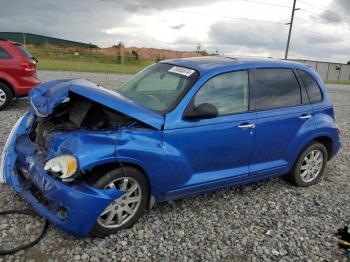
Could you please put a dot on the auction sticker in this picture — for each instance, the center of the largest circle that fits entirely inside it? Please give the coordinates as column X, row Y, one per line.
column 181, row 70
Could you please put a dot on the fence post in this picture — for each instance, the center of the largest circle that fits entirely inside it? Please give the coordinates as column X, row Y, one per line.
column 106, row 77
column 122, row 59
column 327, row 71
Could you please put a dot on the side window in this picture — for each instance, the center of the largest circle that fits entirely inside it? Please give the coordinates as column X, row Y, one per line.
column 276, row 88
column 4, row 54
column 311, row 86
column 228, row 92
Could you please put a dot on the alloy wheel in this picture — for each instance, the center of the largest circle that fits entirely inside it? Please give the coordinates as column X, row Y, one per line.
column 311, row 165
column 121, row 210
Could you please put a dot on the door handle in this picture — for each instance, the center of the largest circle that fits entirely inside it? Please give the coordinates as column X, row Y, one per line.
column 304, row 116
column 246, row 125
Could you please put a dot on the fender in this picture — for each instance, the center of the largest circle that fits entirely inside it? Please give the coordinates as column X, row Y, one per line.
column 146, row 149
column 12, row 82
column 326, row 131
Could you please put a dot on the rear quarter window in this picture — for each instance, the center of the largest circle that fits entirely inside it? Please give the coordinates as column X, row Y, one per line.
column 275, row 88
column 311, row 86
column 4, row 54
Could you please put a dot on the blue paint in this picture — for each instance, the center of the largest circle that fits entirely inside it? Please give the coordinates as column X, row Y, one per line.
column 179, row 157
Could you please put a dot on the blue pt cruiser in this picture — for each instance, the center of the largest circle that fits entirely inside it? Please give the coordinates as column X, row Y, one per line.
column 92, row 160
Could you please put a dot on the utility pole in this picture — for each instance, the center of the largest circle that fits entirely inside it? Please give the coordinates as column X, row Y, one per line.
column 290, row 28
column 24, row 39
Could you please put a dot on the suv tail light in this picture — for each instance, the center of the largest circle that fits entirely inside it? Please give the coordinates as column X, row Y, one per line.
column 27, row 66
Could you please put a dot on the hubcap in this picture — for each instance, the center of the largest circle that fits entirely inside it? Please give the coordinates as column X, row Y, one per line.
column 2, row 97
column 311, row 166
column 121, row 210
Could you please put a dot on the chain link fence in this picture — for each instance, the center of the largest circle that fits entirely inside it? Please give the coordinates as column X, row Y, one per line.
column 130, row 63
column 85, row 61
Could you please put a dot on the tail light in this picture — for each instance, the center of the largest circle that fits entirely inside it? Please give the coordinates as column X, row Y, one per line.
column 27, row 66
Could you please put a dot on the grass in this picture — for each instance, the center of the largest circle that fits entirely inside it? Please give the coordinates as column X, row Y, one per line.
column 339, row 82
column 83, row 66
column 67, row 60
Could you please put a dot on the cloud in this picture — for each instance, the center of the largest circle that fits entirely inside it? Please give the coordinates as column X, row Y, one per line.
column 337, row 12
column 151, row 23
column 179, row 26
column 81, row 21
column 270, row 40
column 137, row 6
column 86, row 21
column 266, row 36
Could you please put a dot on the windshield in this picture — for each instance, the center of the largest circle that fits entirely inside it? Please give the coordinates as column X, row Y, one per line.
column 160, row 86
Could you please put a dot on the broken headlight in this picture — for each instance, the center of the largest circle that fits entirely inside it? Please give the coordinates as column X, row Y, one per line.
column 63, row 167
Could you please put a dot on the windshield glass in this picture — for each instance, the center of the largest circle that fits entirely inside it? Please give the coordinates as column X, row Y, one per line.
column 160, row 86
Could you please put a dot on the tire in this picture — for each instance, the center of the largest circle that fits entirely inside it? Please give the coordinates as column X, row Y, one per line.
column 304, row 174
column 5, row 96
column 118, row 176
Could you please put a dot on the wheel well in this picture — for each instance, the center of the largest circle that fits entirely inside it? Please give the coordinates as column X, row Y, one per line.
column 93, row 174
column 3, row 81
column 327, row 142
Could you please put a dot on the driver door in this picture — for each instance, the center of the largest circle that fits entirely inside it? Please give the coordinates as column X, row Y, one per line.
column 217, row 150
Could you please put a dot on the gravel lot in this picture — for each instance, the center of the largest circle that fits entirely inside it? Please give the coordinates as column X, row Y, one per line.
column 270, row 220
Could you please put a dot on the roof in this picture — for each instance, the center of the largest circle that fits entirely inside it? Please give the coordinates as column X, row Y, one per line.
column 209, row 63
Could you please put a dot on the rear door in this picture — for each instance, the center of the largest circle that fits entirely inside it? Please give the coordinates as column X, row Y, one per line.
column 283, row 110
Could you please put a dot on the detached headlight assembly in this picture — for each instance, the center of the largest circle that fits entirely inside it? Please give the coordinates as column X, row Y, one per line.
column 63, row 167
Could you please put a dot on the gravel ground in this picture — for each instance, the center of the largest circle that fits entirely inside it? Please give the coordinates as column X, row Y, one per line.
column 270, row 220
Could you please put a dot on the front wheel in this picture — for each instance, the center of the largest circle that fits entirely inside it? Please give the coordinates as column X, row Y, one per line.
column 310, row 166
column 126, row 210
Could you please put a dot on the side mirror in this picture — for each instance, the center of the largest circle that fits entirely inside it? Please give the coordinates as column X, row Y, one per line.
column 203, row 111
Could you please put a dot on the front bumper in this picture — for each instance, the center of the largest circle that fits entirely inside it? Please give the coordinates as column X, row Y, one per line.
column 73, row 207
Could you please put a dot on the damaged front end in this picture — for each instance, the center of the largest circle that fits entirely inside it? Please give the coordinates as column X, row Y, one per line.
column 71, row 127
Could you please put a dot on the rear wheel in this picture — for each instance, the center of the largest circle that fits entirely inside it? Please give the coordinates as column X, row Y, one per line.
column 126, row 210
column 5, row 96
column 310, row 166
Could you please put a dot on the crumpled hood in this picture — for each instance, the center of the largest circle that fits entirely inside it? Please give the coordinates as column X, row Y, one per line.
column 47, row 96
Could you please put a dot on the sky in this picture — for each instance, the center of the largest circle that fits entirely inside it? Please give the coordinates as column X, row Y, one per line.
column 321, row 29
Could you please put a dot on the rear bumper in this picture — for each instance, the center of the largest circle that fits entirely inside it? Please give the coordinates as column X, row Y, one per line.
column 27, row 84
column 336, row 147
column 73, row 207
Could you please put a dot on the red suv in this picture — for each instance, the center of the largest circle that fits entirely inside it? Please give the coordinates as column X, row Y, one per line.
column 17, row 72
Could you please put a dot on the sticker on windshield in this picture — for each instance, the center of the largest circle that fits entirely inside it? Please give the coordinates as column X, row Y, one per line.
column 181, row 70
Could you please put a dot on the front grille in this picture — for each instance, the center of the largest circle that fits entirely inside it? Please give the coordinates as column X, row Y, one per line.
column 28, row 185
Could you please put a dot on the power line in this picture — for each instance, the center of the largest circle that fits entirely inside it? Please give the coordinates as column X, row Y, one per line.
column 323, row 9
column 264, row 3
column 303, row 9
column 228, row 17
